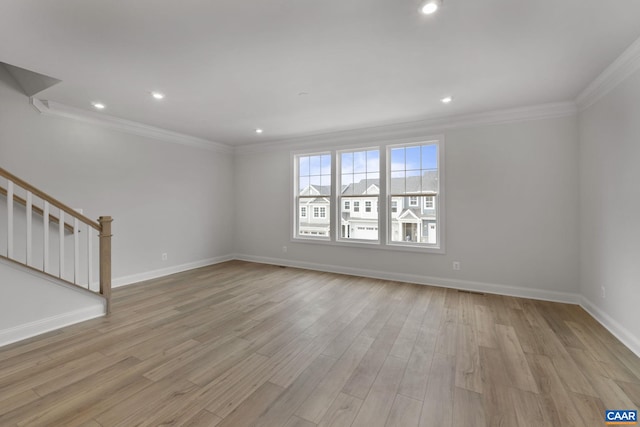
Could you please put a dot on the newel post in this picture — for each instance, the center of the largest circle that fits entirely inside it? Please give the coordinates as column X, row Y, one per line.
column 105, row 259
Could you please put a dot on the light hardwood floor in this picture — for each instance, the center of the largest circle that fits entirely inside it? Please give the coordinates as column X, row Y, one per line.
column 242, row 344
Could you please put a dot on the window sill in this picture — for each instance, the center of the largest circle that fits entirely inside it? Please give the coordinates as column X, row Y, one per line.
column 373, row 245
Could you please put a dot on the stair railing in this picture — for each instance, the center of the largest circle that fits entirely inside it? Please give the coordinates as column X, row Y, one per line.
column 41, row 204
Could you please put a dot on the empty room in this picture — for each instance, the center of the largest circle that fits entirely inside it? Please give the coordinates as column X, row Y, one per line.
column 312, row 214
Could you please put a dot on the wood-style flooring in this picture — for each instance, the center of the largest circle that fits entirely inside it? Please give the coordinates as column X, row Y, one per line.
column 241, row 344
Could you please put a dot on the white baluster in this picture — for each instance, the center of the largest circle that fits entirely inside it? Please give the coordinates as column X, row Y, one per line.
column 9, row 219
column 76, row 251
column 45, row 239
column 29, row 227
column 89, row 256
column 61, row 231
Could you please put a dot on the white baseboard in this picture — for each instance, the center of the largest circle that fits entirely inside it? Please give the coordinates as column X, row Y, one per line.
column 28, row 330
column 623, row 334
column 491, row 288
column 154, row 274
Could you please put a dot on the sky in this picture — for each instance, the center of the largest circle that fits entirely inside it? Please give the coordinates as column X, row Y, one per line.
column 358, row 165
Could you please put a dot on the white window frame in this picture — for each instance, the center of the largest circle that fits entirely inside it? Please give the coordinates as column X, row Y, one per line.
column 412, row 202
column 385, row 215
column 303, row 211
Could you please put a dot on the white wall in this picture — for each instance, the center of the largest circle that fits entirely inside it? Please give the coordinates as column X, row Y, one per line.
column 26, row 307
column 610, row 209
column 163, row 197
column 511, row 214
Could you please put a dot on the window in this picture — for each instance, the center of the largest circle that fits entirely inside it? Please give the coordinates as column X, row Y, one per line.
column 359, row 179
column 351, row 197
column 319, row 212
column 313, row 191
column 414, row 174
column 429, row 202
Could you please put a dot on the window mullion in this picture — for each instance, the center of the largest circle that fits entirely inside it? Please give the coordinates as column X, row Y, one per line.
column 335, row 198
column 383, row 200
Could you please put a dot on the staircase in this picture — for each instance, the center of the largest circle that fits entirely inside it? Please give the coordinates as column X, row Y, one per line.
column 45, row 240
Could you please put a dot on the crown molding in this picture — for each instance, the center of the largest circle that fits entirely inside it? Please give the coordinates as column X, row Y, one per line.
column 51, row 108
column 411, row 130
column 619, row 70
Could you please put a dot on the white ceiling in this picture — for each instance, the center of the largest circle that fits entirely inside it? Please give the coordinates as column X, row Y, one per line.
column 230, row 66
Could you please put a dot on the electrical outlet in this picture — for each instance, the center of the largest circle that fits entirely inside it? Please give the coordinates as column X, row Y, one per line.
column 164, row 256
column 456, row 265
column 284, row 249
column 603, row 292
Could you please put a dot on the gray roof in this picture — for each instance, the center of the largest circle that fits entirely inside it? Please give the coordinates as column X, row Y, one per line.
column 428, row 182
column 321, row 189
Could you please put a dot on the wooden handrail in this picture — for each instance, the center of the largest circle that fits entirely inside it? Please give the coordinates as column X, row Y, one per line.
column 44, row 196
column 38, row 210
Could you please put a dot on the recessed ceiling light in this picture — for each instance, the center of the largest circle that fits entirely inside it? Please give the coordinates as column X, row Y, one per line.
column 259, row 130
column 431, row 6
column 157, row 95
column 98, row 105
column 446, row 99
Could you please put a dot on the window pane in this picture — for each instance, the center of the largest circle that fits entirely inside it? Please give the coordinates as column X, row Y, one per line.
column 429, row 156
column 397, row 159
column 304, row 166
column 326, row 164
column 347, row 184
column 360, row 161
column 412, row 158
column 373, row 183
column 346, row 163
column 413, row 182
column 314, row 168
column 361, row 222
column 325, row 183
column 397, row 183
column 373, row 161
column 360, row 183
column 412, row 221
column 316, row 223
column 430, row 181
column 304, row 185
